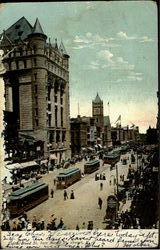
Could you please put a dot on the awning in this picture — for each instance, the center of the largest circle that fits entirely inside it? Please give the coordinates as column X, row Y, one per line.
column 43, row 161
column 91, row 149
column 13, row 166
column 28, row 164
column 53, row 157
column 99, row 145
column 83, row 149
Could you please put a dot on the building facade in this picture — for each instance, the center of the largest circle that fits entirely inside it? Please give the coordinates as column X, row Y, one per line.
column 37, row 86
column 122, row 135
column 97, row 114
column 107, row 133
column 91, row 131
column 78, row 135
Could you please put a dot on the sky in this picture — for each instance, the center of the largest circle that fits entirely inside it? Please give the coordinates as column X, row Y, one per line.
column 113, row 51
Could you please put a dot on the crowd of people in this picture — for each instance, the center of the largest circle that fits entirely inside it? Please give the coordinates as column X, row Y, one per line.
column 23, row 224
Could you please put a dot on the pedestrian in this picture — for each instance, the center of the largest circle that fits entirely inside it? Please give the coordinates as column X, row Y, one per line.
column 52, row 193
column 54, row 182
column 90, row 225
column 61, row 223
column 100, row 202
column 77, row 227
column 110, row 182
column 72, row 195
column 65, row 195
column 83, row 225
column 14, row 226
column 114, row 181
column 101, row 186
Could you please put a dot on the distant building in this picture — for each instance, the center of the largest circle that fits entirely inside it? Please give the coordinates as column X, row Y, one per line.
column 107, row 133
column 91, row 130
column 151, row 136
column 97, row 114
column 37, row 86
column 122, row 135
column 78, row 135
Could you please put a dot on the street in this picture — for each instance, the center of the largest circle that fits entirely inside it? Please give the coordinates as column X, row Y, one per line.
column 84, row 207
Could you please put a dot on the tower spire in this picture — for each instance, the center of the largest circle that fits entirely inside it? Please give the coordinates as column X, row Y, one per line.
column 37, row 28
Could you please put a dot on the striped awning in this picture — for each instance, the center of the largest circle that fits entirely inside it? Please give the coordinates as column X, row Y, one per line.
column 13, row 166
column 28, row 164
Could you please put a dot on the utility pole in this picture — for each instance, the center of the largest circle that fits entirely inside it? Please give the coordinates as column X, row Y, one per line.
column 117, row 184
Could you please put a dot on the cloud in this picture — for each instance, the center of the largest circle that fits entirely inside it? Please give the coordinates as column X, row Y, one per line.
column 2, row 6
column 115, row 63
column 135, row 78
column 90, row 6
column 93, row 40
column 123, row 36
column 105, row 55
column 105, row 59
column 145, row 39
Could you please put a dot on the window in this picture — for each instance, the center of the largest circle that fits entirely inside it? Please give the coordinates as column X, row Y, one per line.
column 55, row 98
column 62, row 117
column 9, row 65
column 37, row 123
column 36, row 88
column 17, row 65
column 61, row 100
column 35, row 76
column 51, row 138
column 63, row 136
column 56, row 116
column 35, row 61
column 34, row 49
column 21, row 51
column 36, row 111
column 17, row 26
column 36, row 100
column 49, row 107
column 49, row 120
column 25, row 64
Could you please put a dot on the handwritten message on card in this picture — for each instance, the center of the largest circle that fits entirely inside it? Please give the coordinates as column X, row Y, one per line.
column 81, row 239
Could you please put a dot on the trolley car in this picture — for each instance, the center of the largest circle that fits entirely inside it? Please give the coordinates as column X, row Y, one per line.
column 91, row 166
column 27, row 198
column 111, row 158
column 68, row 177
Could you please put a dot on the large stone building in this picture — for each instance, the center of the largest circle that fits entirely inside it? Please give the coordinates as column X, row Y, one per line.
column 78, row 135
column 37, row 86
column 91, row 130
column 122, row 135
column 107, row 133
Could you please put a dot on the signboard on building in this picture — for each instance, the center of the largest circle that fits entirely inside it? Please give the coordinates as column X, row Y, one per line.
column 92, row 133
column 112, row 201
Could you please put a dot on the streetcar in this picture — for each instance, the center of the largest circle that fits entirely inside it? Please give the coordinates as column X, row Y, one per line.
column 68, row 177
column 26, row 198
column 111, row 158
column 91, row 166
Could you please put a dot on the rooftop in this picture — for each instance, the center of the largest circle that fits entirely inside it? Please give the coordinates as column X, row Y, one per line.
column 97, row 99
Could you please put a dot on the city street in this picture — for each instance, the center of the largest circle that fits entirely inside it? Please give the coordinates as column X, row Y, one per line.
column 84, row 207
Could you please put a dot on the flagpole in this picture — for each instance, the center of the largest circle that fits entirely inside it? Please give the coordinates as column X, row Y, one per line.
column 78, row 108
column 108, row 109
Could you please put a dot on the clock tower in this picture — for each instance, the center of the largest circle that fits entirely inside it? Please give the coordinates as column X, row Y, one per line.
column 97, row 111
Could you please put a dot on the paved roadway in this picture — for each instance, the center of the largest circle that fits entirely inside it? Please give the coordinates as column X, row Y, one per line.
column 85, row 205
